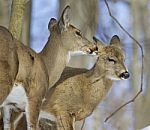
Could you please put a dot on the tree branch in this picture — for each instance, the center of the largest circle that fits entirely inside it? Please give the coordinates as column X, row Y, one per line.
column 142, row 63
column 83, row 124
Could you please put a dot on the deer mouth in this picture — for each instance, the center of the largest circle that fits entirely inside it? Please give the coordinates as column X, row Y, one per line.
column 89, row 49
column 79, row 53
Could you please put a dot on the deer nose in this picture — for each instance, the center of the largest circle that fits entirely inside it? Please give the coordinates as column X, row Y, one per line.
column 124, row 75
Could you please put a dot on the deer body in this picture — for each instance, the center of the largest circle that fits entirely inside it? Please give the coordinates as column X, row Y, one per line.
column 23, row 69
column 76, row 97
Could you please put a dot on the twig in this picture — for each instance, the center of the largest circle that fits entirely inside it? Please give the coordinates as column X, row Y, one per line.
column 83, row 124
column 142, row 63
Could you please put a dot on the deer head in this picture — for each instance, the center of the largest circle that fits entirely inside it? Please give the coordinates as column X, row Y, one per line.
column 71, row 37
column 111, row 59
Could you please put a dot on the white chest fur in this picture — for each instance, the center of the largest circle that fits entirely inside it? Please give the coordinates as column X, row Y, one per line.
column 17, row 96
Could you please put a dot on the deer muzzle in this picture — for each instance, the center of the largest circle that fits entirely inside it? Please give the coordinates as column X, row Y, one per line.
column 124, row 75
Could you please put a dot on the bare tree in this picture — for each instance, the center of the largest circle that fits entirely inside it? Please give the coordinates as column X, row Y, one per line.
column 25, row 38
column 16, row 19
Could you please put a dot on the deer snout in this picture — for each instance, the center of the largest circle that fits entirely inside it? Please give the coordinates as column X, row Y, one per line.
column 124, row 75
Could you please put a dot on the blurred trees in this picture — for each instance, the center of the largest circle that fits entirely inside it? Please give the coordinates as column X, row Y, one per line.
column 20, row 18
column 141, row 31
column 25, row 37
column 4, row 12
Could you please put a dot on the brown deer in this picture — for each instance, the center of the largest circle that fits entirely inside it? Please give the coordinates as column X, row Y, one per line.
column 25, row 75
column 76, row 97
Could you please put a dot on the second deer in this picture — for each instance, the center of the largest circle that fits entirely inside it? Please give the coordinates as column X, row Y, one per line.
column 76, row 97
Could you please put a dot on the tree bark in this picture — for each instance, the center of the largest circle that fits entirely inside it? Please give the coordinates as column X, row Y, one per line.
column 26, row 24
column 16, row 19
column 135, row 62
column 4, row 13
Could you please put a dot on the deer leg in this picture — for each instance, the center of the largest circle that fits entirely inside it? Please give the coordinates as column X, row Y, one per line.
column 5, row 89
column 5, row 82
column 33, row 107
column 32, row 113
column 20, row 123
column 6, row 117
column 35, row 91
column 65, row 122
column 5, row 86
column 15, row 119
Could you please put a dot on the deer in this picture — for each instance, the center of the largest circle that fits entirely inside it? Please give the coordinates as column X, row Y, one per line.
column 26, row 76
column 76, row 97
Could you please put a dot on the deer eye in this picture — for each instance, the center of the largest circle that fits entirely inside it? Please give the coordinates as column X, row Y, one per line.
column 111, row 60
column 78, row 33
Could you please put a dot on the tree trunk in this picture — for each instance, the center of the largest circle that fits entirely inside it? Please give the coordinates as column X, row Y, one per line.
column 16, row 19
column 135, row 62
column 142, row 118
column 141, row 26
column 4, row 13
column 26, row 24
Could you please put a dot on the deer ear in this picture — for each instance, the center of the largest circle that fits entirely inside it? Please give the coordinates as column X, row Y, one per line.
column 52, row 22
column 115, row 41
column 98, row 44
column 64, row 19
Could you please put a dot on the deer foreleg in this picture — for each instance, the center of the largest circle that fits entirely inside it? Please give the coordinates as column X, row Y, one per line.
column 32, row 113
column 65, row 122
column 6, row 117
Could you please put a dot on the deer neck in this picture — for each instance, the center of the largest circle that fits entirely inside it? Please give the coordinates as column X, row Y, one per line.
column 99, row 87
column 55, row 58
column 96, row 73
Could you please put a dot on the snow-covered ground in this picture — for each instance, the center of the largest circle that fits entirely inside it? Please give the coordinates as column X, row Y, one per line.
column 146, row 128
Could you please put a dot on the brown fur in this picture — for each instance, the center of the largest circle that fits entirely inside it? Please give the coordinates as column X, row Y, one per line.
column 37, row 72
column 76, row 97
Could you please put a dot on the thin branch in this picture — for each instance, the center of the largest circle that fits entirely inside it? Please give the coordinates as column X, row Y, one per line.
column 142, row 63
column 83, row 124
